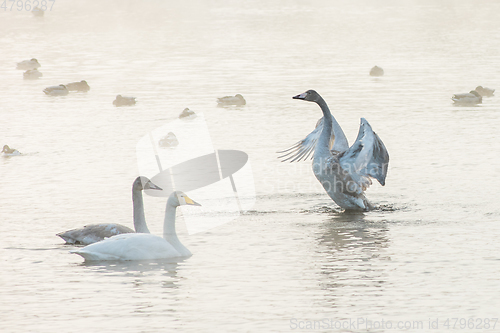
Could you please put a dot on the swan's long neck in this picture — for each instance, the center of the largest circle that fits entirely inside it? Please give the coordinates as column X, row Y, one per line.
column 169, row 232
column 140, row 225
column 329, row 124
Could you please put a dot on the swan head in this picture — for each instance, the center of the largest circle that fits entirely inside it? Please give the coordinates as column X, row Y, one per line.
column 179, row 198
column 143, row 183
column 310, row 95
column 5, row 149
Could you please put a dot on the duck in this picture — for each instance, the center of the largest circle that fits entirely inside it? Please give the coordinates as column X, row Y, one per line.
column 376, row 71
column 28, row 64
column 37, row 12
column 345, row 172
column 471, row 97
column 169, row 140
column 484, row 92
column 32, row 74
column 186, row 113
column 231, row 100
column 78, row 86
column 141, row 246
column 122, row 100
column 93, row 233
column 59, row 90
column 7, row 151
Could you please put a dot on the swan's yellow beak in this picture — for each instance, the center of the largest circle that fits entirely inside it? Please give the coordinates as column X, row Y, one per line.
column 189, row 201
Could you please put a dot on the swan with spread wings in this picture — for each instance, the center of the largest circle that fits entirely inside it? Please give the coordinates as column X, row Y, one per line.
column 345, row 172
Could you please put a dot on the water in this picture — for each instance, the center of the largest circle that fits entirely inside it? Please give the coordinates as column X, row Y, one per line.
column 430, row 253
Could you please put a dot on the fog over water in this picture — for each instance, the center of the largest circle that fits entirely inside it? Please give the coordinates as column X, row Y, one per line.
column 293, row 261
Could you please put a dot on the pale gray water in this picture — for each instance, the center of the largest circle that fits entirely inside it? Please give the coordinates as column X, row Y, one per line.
column 432, row 254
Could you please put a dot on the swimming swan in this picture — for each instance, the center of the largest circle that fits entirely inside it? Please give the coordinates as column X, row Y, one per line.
column 78, row 86
column 28, row 64
column 32, row 74
column 7, row 151
column 96, row 232
column 377, row 71
column 471, row 97
column 59, row 90
column 231, row 100
column 485, row 92
column 344, row 172
column 143, row 246
column 123, row 100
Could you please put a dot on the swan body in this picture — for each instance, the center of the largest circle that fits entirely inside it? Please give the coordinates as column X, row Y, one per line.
column 471, row 97
column 169, row 140
column 143, row 246
column 97, row 232
column 7, row 151
column 28, row 64
column 485, row 92
column 123, row 100
column 78, row 86
column 343, row 171
column 59, row 90
column 376, row 71
column 186, row 113
column 32, row 74
column 231, row 100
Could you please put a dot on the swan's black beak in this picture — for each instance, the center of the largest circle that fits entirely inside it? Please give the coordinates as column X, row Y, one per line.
column 301, row 96
column 151, row 186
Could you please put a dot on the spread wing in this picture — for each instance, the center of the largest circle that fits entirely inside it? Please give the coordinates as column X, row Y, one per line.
column 304, row 149
column 366, row 158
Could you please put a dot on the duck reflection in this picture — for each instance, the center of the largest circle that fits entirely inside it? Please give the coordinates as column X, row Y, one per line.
column 353, row 248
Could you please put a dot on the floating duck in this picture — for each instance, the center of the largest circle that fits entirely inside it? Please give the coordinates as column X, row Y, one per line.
column 485, row 92
column 28, row 64
column 32, row 74
column 59, row 90
column 122, row 100
column 231, row 100
column 376, row 71
column 7, row 151
column 78, row 86
column 471, row 97
column 169, row 140
column 186, row 113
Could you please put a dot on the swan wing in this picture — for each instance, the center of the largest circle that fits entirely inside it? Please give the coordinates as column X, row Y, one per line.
column 129, row 247
column 93, row 233
column 304, row 149
column 366, row 158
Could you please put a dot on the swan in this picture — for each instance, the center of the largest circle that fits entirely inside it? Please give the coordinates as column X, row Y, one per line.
column 59, row 90
column 485, row 92
column 376, row 71
column 122, row 100
column 28, row 64
column 78, row 86
column 143, row 246
column 231, row 100
column 96, row 232
column 344, row 172
column 169, row 140
column 32, row 74
column 186, row 113
column 7, row 151
column 471, row 97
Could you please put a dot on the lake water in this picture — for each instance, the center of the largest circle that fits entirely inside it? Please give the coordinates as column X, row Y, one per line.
column 293, row 262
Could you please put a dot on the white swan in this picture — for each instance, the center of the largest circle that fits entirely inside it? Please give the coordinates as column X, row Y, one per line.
column 344, row 172
column 78, row 86
column 96, row 232
column 143, row 246
column 123, row 100
column 32, row 74
column 231, row 100
column 59, row 90
column 485, row 92
column 7, row 151
column 471, row 97
column 187, row 114
column 28, row 64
